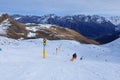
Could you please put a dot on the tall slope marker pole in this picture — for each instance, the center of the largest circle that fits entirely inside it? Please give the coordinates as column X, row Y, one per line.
column 44, row 50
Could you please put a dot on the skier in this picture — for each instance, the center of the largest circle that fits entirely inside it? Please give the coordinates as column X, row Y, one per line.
column 73, row 57
column 81, row 58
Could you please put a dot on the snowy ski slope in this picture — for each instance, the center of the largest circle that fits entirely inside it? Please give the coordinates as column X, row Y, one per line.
column 22, row 60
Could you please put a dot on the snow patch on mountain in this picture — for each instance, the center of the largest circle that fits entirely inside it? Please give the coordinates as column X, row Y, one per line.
column 99, row 20
column 45, row 25
column 17, row 18
column 38, row 27
column 35, row 28
column 30, row 34
column 4, row 26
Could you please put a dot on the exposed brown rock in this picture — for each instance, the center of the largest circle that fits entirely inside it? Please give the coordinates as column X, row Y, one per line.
column 3, row 17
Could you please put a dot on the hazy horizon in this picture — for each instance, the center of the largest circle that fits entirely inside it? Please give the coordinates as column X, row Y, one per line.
column 61, row 8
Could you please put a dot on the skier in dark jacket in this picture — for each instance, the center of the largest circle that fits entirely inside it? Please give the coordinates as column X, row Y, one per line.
column 74, row 57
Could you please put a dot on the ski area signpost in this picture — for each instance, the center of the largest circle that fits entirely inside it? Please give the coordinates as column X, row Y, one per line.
column 44, row 41
column 44, row 51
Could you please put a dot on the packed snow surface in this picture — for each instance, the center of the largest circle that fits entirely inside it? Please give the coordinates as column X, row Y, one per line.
column 22, row 60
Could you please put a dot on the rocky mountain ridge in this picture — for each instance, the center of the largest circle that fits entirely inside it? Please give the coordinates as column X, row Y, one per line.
column 18, row 30
column 93, row 27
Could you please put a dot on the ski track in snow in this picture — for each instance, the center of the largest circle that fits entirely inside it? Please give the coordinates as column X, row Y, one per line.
column 22, row 60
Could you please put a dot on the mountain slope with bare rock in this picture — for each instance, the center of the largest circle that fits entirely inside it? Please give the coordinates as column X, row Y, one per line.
column 13, row 29
column 53, row 32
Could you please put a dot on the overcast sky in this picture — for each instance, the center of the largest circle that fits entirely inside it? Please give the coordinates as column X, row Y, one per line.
column 60, row 7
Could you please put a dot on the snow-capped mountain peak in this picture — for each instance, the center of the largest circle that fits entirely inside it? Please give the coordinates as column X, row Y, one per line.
column 47, row 18
column 115, row 20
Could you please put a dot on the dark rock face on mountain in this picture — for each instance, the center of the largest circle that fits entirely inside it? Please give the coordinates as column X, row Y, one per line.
column 13, row 29
column 108, row 38
column 93, row 27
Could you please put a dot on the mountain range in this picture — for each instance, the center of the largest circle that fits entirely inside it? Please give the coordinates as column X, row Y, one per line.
column 13, row 29
column 93, row 27
column 22, row 51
